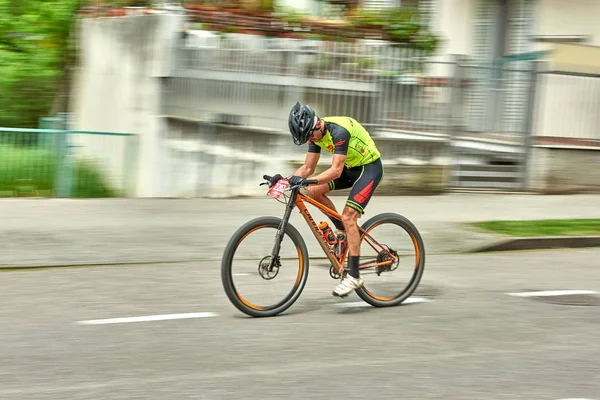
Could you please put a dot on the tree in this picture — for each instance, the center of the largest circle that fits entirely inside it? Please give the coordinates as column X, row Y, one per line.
column 34, row 39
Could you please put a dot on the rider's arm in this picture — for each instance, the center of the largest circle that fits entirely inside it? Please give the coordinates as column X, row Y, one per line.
column 310, row 163
column 340, row 137
column 333, row 172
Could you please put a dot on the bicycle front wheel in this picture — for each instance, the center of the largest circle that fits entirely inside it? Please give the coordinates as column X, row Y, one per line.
column 392, row 259
column 257, row 283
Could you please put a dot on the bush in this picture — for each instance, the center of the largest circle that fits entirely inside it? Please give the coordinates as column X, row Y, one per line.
column 33, row 171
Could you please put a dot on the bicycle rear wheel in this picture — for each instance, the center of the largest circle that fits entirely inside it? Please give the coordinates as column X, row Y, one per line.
column 249, row 273
column 392, row 284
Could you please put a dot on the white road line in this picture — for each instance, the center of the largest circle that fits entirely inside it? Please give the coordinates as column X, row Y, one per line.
column 410, row 300
column 147, row 318
column 551, row 293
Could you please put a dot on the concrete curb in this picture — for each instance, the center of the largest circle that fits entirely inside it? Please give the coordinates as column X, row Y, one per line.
column 506, row 244
column 33, row 266
column 539, row 243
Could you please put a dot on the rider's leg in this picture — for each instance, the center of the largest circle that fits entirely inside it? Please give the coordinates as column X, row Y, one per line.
column 359, row 197
column 319, row 193
column 350, row 218
column 352, row 280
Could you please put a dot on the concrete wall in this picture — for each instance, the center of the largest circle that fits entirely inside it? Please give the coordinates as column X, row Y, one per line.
column 227, row 161
column 576, row 57
column 563, row 169
column 453, row 21
column 206, row 160
column 123, row 85
column 118, row 83
column 567, row 106
column 573, row 17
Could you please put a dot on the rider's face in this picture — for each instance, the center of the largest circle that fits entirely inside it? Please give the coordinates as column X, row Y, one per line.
column 317, row 134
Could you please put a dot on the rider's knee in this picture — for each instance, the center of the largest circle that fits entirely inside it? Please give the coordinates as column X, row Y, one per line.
column 317, row 191
column 349, row 216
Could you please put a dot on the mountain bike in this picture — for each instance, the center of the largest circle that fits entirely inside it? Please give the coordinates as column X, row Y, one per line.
column 261, row 246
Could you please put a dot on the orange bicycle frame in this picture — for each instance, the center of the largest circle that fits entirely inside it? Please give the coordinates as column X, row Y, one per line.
column 339, row 263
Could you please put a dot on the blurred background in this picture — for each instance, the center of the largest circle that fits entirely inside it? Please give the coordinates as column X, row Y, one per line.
column 124, row 98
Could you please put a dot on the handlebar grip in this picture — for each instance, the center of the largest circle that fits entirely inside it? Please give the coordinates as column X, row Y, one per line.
column 267, row 177
column 310, row 181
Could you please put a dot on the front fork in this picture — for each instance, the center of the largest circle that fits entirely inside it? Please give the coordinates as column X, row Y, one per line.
column 280, row 232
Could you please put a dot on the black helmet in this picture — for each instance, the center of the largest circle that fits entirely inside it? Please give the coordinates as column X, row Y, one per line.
column 302, row 121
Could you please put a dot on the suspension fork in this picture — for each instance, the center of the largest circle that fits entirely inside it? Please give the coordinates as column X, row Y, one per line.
column 284, row 221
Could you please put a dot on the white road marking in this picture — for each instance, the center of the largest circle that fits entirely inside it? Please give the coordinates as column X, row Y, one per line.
column 147, row 318
column 410, row 300
column 551, row 293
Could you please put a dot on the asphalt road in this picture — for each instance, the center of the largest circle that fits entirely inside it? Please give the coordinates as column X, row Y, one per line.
column 471, row 340
column 81, row 231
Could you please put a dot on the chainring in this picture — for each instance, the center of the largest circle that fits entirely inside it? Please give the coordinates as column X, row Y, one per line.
column 333, row 273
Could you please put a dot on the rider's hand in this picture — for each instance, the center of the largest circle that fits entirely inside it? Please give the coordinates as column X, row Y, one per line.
column 274, row 179
column 296, row 180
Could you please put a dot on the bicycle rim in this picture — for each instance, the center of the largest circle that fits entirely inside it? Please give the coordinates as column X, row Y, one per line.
column 397, row 240
column 257, row 284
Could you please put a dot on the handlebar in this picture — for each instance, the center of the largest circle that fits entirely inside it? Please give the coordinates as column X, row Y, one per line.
column 305, row 183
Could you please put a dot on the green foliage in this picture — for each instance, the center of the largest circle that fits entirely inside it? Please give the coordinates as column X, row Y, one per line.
column 290, row 15
column 131, row 3
column 403, row 25
column 22, row 165
column 34, row 39
column 552, row 227
column 89, row 182
column 33, row 169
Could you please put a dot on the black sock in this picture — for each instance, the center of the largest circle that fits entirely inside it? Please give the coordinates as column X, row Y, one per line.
column 338, row 224
column 353, row 264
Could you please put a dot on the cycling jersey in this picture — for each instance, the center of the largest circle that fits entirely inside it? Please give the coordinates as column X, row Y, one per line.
column 344, row 135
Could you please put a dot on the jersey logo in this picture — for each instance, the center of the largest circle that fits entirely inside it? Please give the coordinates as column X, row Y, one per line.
column 341, row 142
column 364, row 194
column 330, row 148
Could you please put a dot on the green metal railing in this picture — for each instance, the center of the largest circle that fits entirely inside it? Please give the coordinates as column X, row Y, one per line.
column 67, row 164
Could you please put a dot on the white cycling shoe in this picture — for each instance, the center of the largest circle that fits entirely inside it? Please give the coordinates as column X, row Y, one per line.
column 347, row 285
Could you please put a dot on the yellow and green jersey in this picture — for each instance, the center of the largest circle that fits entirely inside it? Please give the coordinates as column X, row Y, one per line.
column 344, row 135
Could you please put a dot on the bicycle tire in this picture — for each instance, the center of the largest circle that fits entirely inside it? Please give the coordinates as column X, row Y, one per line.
column 229, row 253
column 412, row 230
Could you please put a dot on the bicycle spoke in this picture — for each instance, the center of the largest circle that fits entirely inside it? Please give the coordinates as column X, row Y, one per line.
column 257, row 282
column 390, row 257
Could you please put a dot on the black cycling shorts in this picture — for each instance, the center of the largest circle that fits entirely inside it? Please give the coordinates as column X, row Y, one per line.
column 363, row 180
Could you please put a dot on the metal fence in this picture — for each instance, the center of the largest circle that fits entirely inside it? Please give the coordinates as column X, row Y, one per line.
column 62, row 163
column 253, row 80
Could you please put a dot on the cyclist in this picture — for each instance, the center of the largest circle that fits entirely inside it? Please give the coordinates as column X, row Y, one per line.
column 356, row 164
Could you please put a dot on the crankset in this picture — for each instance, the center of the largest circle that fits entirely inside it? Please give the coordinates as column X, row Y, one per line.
column 334, row 274
column 269, row 268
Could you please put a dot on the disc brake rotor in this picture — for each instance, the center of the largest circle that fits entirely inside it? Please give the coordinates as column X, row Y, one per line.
column 268, row 268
